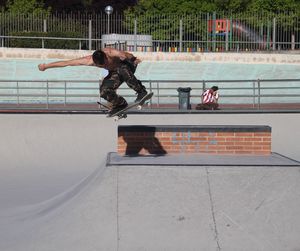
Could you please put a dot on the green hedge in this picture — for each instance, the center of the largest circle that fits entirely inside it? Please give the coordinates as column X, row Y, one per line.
column 48, row 43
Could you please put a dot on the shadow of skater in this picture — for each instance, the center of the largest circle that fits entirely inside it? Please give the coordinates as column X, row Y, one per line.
column 146, row 140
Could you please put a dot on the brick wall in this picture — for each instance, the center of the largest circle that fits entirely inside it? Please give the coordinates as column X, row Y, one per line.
column 249, row 140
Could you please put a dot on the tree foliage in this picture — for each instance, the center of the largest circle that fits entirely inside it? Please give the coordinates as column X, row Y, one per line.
column 27, row 7
column 175, row 6
column 274, row 5
column 195, row 6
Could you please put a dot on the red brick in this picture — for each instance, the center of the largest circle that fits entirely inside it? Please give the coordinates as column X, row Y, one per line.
column 235, row 139
column 261, row 152
column 243, row 134
column 243, row 152
column 199, row 138
column 225, row 134
column 262, row 134
column 201, row 142
column 225, row 152
column 266, row 138
column 228, row 143
column 234, row 147
column 243, row 143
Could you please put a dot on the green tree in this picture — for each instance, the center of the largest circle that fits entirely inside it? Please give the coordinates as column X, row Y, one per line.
column 232, row 5
column 27, row 7
column 174, row 7
column 274, row 5
column 195, row 6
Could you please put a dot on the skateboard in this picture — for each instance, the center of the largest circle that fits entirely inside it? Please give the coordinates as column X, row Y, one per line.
column 122, row 114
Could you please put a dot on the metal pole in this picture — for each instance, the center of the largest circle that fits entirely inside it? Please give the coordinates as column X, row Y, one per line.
column 180, row 35
column 45, row 25
column 258, row 97
column 158, row 99
column 65, row 93
column 150, row 88
column 268, row 36
column 44, row 30
column 108, row 23
column 90, row 34
column 135, row 34
column 253, row 95
column 293, row 42
column 214, row 32
column 100, row 83
column 47, row 105
column 18, row 93
column 207, row 31
column 231, row 34
column 108, row 10
column 203, row 85
column 227, row 35
column 274, row 33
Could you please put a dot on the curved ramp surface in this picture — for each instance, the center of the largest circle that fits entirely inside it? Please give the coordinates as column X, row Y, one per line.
column 57, row 194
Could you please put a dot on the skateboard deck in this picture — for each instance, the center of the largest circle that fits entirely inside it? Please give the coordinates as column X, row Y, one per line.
column 123, row 113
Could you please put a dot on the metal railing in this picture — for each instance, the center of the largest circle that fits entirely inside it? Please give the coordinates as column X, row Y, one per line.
column 81, row 95
column 169, row 33
column 42, row 41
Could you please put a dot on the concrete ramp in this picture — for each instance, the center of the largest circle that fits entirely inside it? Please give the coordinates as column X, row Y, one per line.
column 162, row 208
column 56, row 193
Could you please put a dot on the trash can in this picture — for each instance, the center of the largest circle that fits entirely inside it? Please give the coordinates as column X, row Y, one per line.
column 184, row 98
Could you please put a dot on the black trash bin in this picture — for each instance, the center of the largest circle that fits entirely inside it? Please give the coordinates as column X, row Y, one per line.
column 184, row 98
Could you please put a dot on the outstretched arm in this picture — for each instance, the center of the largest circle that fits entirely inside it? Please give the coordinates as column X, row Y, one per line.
column 87, row 61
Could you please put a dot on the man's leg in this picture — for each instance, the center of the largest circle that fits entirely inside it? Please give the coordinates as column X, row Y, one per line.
column 199, row 107
column 215, row 106
column 211, row 106
column 206, row 106
column 108, row 91
column 127, row 75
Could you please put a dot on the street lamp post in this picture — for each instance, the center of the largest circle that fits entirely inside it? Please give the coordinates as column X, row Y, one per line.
column 108, row 10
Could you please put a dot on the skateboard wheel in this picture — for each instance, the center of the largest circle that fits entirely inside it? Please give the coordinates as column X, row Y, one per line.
column 139, row 107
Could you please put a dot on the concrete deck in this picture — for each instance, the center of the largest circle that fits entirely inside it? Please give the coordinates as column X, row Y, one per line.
column 275, row 159
column 56, row 192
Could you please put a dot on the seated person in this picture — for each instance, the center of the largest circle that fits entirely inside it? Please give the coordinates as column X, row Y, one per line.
column 209, row 99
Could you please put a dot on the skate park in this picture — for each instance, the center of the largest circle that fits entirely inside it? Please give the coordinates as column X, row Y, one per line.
column 61, row 190
column 59, row 193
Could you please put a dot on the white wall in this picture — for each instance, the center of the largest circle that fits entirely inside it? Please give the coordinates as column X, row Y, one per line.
column 250, row 57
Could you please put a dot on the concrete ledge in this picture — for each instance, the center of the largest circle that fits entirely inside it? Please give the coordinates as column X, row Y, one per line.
column 194, row 128
column 275, row 159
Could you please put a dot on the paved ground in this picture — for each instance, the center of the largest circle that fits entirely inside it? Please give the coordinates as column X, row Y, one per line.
column 56, row 193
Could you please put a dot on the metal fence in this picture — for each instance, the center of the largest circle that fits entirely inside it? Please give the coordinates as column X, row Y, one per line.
column 82, row 95
column 168, row 33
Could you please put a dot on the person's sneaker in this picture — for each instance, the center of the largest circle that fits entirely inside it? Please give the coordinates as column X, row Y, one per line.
column 140, row 95
column 117, row 109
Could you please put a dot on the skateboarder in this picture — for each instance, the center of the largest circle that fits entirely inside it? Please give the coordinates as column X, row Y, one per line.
column 121, row 67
